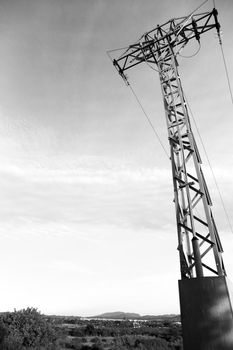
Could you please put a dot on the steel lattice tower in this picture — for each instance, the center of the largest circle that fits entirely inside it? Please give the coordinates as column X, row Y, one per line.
column 199, row 245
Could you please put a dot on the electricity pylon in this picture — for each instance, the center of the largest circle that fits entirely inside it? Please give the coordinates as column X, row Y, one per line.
column 203, row 286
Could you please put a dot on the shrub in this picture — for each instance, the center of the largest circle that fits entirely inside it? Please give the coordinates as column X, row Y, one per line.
column 27, row 329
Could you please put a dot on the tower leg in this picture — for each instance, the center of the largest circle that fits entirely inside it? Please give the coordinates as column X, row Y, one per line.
column 206, row 313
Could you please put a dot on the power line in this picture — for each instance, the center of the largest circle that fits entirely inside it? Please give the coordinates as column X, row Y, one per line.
column 194, row 54
column 190, row 15
column 144, row 112
column 211, row 169
column 224, row 59
column 148, row 119
column 225, row 66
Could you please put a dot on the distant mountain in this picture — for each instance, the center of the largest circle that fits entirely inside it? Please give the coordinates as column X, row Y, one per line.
column 118, row 315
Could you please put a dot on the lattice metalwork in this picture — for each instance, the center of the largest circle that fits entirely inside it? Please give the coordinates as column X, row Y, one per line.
column 199, row 246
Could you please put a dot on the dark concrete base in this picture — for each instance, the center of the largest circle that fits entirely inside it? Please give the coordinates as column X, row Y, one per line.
column 206, row 313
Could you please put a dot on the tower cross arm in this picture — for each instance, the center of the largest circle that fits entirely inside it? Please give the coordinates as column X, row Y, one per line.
column 174, row 34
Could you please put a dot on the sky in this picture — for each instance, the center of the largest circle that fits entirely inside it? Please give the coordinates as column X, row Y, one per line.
column 87, row 219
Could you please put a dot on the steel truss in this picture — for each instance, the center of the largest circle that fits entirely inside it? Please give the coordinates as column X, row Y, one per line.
column 199, row 246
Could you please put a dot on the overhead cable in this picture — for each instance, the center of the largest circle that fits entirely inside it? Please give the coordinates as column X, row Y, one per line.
column 148, row 119
column 225, row 66
column 144, row 112
column 194, row 54
column 211, row 169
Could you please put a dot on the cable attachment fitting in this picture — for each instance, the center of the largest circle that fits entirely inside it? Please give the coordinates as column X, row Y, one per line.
column 120, row 71
column 217, row 25
column 197, row 35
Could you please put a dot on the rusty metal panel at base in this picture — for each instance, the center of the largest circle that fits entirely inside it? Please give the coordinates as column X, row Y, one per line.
column 206, row 313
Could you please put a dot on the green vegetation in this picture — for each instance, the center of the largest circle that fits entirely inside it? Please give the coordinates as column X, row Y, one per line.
column 29, row 329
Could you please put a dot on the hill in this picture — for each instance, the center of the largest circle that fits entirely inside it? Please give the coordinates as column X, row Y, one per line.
column 119, row 315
